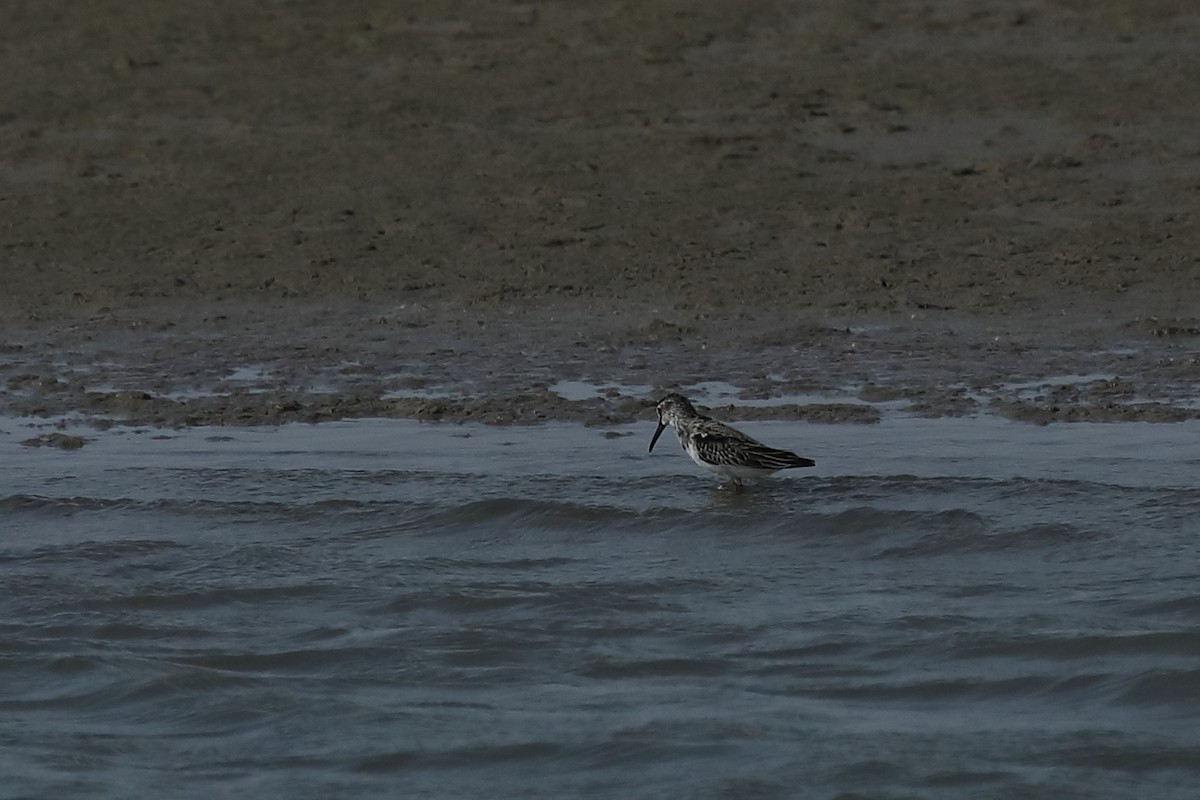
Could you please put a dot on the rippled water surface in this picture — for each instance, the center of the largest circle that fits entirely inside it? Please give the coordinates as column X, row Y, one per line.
column 942, row 608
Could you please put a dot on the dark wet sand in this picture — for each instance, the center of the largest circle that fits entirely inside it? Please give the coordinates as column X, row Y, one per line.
column 386, row 209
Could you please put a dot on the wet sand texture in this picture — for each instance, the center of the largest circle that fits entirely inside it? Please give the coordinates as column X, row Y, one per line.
column 716, row 158
column 384, row 207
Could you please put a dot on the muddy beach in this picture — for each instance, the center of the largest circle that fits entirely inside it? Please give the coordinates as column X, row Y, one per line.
column 442, row 211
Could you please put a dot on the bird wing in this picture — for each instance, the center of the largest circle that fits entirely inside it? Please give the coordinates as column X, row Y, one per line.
column 724, row 446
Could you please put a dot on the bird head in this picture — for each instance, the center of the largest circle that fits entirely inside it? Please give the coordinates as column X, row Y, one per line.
column 670, row 410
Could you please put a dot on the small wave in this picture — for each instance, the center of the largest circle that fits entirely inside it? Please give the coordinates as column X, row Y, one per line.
column 459, row 602
column 872, row 520
column 539, row 513
column 968, row 539
column 506, row 515
column 609, row 597
column 205, row 598
column 399, row 760
column 652, row 743
column 1108, row 753
column 1188, row 606
column 302, row 660
column 69, row 506
column 870, row 485
column 445, row 564
column 1000, row 589
column 1083, row 646
column 131, row 631
column 99, row 681
column 941, row 689
column 101, row 551
column 60, row 506
column 1177, row 688
column 657, row 668
column 790, row 654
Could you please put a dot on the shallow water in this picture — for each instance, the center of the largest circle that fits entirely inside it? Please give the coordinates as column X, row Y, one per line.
column 942, row 608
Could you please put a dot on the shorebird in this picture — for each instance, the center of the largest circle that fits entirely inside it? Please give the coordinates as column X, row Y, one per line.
column 716, row 446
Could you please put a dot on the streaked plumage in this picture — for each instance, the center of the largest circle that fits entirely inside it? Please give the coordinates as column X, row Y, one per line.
column 717, row 446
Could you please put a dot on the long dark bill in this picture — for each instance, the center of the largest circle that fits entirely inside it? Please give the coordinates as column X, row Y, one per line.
column 662, row 426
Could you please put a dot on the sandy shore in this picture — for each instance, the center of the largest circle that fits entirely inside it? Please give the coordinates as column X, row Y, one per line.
column 214, row 215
